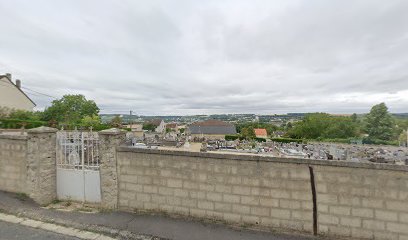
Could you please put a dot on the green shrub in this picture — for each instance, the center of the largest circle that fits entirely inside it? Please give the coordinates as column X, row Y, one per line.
column 231, row 137
column 375, row 141
column 18, row 123
column 260, row 139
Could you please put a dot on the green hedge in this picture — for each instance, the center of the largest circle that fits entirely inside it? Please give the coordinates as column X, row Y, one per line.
column 231, row 137
column 379, row 141
column 18, row 123
column 288, row 140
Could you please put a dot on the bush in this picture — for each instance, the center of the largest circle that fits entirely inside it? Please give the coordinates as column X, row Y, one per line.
column 231, row 137
column 375, row 141
column 288, row 140
column 260, row 139
column 18, row 123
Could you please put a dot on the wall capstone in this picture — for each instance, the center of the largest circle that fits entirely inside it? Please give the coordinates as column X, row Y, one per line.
column 109, row 139
column 41, row 164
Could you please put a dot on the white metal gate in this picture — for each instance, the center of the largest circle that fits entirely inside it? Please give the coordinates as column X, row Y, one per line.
column 78, row 176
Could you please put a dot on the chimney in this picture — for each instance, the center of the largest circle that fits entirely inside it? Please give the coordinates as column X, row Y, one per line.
column 8, row 75
column 18, row 83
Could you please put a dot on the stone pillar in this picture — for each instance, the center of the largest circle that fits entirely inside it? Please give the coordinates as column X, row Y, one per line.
column 108, row 141
column 41, row 164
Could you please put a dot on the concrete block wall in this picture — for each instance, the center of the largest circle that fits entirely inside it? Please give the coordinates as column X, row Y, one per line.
column 353, row 200
column 362, row 203
column 13, row 153
column 266, row 194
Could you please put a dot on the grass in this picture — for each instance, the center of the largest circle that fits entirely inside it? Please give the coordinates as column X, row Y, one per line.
column 22, row 196
column 55, row 201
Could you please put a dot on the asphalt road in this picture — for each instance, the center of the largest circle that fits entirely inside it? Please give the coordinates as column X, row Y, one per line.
column 13, row 231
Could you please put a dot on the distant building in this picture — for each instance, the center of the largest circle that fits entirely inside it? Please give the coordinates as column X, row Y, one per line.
column 279, row 134
column 260, row 133
column 172, row 126
column 211, row 129
column 135, row 127
column 11, row 95
column 159, row 124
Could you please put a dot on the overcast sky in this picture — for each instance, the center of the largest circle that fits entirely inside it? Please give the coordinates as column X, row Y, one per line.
column 199, row 57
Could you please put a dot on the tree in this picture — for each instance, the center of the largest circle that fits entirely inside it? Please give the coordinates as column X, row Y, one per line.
column 25, row 115
column 379, row 123
column 91, row 121
column 116, row 122
column 403, row 138
column 323, row 125
column 149, row 127
column 70, row 110
column 248, row 132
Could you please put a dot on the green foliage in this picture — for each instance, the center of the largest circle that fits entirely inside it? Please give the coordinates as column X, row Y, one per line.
column 25, row 115
column 70, row 110
column 260, row 139
column 248, row 132
column 379, row 123
column 18, row 123
column 149, row 127
column 323, row 125
column 91, row 121
column 182, row 130
column 231, row 137
column 288, row 140
column 116, row 122
column 375, row 141
column 270, row 128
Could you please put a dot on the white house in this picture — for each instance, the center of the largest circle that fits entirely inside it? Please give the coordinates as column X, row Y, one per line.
column 12, row 96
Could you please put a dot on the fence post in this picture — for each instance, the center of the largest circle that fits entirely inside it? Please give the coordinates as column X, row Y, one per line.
column 109, row 139
column 41, row 164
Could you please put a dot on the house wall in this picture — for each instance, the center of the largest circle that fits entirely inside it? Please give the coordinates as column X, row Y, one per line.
column 13, row 166
column 11, row 97
column 161, row 128
column 353, row 200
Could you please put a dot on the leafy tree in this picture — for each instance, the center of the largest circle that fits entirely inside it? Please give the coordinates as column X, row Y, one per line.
column 116, row 122
column 323, row 125
column 149, row 127
column 70, row 110
column 91, row 121
column 25, row 115
column 379, row 123
column 403, row 138
column 354, row 117
column 248, row 132
column 270, row 128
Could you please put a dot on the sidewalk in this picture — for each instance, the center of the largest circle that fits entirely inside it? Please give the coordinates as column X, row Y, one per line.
column 134, row 226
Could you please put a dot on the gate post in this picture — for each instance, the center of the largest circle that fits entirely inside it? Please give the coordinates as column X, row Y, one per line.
column 41, row 164
column 109, row 139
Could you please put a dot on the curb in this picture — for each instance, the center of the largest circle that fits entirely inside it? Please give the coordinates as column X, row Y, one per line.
column 68, row 231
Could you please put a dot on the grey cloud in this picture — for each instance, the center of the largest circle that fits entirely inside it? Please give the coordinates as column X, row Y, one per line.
column 158, row 57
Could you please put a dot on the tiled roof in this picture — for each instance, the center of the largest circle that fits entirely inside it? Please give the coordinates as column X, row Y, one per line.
column 260, row 132
column 155, row 122
column 171, row 125
column 212, row 127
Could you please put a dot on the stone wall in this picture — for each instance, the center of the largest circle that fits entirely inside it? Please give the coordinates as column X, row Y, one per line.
column 268, row 194
column 351, row 199
column 13, row 163
column 362, row 203
column 28, row 164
